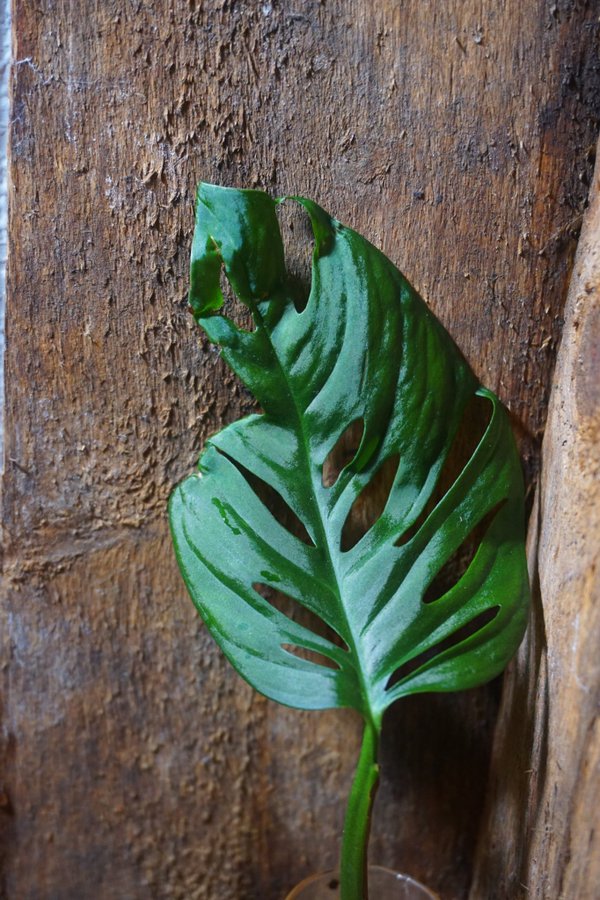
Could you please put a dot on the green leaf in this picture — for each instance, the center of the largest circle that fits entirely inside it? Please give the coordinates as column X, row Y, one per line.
column 365, row 349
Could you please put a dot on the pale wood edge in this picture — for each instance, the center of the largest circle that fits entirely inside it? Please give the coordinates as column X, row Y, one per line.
column 540, row 836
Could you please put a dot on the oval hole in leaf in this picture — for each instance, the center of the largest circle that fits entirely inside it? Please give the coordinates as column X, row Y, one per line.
column 232, row 308
column 274, row 502
column 455, row 567
column 295, row 611
column 298, row 245
column 473, row 425
column 461, row 634
column 343, row 452
column 370, row 503
column 311, row 656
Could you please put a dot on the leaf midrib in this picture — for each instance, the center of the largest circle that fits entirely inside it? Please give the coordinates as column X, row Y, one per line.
column 368, row 711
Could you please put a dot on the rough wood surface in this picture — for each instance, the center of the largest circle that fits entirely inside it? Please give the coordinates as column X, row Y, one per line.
column 455, row 135
column 542, row 834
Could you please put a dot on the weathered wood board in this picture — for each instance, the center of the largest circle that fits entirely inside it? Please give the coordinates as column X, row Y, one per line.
column 541, row 834
column 458, row 136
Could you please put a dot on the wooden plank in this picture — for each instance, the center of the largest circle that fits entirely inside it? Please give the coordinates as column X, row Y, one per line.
column 541, row 835
column 453, row 135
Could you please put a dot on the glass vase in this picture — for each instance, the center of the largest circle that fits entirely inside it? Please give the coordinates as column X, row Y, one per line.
column 383, row 885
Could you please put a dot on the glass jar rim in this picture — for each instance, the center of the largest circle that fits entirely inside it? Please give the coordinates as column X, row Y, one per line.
column 333, row 874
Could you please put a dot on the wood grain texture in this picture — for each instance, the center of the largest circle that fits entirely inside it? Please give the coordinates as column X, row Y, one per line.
column 541, row 836
column 456, row 136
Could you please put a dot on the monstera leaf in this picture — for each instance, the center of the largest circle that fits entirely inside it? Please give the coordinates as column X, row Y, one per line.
column 365, row 350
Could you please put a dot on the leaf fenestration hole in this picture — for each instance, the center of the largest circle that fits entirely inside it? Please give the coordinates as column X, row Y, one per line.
column 474, row 422
column 461, row 634
column 274, row 502
column 232, row 308
column 298, row 245
column 311, row 656
column 295, row 611
column 455, row 567
column 370, row 503
column 343, row 452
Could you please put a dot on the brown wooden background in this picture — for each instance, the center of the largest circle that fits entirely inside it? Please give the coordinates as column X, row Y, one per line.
column 458, row 136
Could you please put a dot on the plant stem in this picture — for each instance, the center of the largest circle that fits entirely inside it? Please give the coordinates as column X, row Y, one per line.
column 357, row 824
